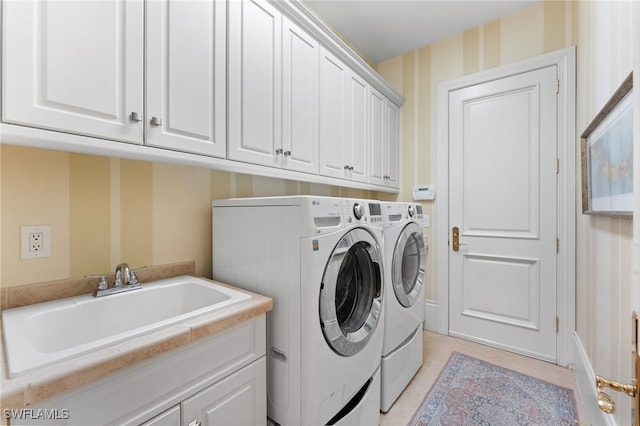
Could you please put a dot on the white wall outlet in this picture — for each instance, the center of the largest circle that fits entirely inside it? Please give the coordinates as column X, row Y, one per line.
column 35, row 241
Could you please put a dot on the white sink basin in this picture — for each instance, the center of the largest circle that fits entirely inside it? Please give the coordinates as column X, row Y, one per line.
column 46, row 333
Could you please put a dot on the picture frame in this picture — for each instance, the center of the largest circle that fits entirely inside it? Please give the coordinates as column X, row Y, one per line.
column 607, row 157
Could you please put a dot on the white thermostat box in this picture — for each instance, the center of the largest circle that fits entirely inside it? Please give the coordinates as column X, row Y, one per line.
column 424, row 192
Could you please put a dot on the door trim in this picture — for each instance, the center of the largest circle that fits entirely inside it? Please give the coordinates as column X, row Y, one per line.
column 565, row 60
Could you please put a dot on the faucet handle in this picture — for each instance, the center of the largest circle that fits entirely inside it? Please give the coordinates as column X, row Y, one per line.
column 103, row 284
column 133, row 278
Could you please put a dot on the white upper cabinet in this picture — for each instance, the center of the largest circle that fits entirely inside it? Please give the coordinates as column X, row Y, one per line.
column 74, row 66
column 357, row 146
column 273, row 89
column 247, row 86
column 384, row 138
column 300, row 99
column 186, row 76
column 254, row 84
column 333, row 115
column 343, row 120
column 377, row 171
column 393, row 144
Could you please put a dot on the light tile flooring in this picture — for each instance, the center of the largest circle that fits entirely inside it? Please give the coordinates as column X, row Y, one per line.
column 438, row 348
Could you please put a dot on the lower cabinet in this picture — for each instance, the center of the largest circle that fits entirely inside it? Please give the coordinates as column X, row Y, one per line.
column 219, row 380
column 237, row 400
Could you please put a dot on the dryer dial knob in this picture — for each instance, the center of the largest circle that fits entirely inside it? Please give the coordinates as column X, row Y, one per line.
column 358, row 210
column 412, row 211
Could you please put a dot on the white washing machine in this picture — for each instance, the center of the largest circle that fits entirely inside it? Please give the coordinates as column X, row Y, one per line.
column 320, row 259
column 405, row 267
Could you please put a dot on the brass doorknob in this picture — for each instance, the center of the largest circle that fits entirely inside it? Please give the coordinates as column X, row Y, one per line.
column 605, row 402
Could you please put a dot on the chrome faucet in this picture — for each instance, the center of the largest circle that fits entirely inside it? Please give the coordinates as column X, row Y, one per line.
column 125, row 280
column 124, row 275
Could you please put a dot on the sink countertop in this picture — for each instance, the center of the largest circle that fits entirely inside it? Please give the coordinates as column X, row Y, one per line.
column 47, row 382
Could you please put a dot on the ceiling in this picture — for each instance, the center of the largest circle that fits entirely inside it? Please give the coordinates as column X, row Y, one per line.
column 383, row 29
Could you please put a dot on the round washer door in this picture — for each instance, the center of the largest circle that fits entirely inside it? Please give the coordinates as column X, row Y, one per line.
column 408, row 265
column 351, row 292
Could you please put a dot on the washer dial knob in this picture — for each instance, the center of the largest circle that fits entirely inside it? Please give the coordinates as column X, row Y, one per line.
column 411, row 210
column 358, row 211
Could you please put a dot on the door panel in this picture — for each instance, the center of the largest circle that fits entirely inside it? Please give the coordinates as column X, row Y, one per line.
column 333, row 115
column 503, row 198
column 493, row 151
column 357, row 127
column 74, row 66
column 186, row 78
column 255, row 87
column 300, row 103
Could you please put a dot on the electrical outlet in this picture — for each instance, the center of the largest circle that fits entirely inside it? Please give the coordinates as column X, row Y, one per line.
column 35, row 241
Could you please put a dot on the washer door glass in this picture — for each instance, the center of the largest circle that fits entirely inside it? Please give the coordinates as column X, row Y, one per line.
column 408, row 265
column 351, row 292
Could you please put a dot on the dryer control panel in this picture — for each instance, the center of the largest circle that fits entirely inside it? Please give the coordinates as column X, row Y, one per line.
column 363, row 211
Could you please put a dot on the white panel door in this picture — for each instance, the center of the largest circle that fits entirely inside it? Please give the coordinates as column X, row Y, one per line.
column 186, row 76
column 333, row 115
column 502, row 166
column 300, row 100
column 74, row 66
column 254, row 82
column 357, row 143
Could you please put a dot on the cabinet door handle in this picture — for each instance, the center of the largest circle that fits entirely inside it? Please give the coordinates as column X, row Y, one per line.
column 278, row 151
column 196, row 422
column 155, row 121
column 134, row 116
column 287, row 153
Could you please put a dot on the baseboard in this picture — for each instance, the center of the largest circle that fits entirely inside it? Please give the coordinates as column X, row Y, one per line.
column 431, row 316
column 586, row 380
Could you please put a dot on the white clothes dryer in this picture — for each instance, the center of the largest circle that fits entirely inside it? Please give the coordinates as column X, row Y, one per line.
column 320, row 259
column 405, row 267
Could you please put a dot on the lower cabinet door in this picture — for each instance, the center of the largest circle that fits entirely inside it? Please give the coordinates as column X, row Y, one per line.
column 239, row 399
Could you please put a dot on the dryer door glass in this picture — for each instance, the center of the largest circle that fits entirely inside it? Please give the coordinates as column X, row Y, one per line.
column 408, row 266
column 351, row 293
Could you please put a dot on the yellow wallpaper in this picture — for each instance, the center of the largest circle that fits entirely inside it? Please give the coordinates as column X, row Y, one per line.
column 104, row 211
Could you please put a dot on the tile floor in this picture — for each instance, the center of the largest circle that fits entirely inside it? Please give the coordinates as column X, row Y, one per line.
column 438, row 348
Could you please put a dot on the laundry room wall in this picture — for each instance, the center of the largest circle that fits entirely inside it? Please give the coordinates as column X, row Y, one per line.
column 603, row 34
column 105, row 210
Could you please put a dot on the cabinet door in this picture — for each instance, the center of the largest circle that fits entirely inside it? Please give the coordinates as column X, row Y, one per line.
column 74, row 66
column 393, row 144
column 333, row 115
column 300, row 103
column 357, row 127
column 240, row 399
column 378, row 140
column 186, row 76
column 254, row 82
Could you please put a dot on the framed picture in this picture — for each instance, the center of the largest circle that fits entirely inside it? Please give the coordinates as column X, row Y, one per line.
column 607, row 157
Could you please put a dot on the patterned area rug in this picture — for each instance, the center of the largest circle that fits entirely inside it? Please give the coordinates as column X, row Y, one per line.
column 473, row 392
